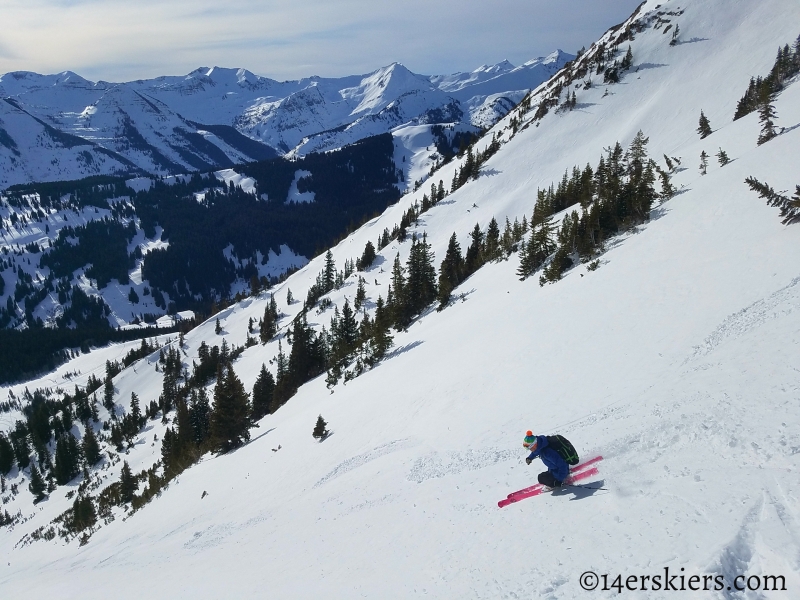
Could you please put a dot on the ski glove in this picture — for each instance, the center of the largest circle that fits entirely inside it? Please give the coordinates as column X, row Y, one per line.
column 528, row 460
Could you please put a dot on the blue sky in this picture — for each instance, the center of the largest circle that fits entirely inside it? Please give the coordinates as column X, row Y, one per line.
column 118, row 40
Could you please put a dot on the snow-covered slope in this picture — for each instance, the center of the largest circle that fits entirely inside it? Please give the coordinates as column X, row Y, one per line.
column 215, row 117
column 675, row 360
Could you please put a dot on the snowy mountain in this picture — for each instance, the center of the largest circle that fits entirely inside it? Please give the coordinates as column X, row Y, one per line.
column 216, row 117
column 670, row 351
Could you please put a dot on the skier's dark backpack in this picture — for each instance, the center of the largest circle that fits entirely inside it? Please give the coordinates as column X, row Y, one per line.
column 565, row 449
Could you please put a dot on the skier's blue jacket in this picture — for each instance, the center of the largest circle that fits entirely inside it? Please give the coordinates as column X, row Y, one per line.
column 551, row 459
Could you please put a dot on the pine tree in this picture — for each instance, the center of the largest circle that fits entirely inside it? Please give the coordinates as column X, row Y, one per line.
column 451, row 271
column 381, row 339
column 367, row 258
column 262, row 393
column 91, row 449
column 704, row 128
column 37, row 485
column 136, row 412
column 766, row 114
column 329, row 273
column 361, row 294
column 320, row 429
column 396, row 298
column 722, row 157
column 554, row 271
column 667, row 189
column 230, row 417
column 199, row 411
column 421, row 282
column 289, row 297
column 217, row 327
column 22, row 448
column 108, row 397
column 67, row 458
column 703, row 163
column 491, row 248
column 6, row 454
column 128, row 484
column 474, row 258
column 627, row 62
column 268, row 325
column 83, row 513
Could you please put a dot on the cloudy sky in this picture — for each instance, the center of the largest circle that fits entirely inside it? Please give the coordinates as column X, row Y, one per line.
column 120, row 40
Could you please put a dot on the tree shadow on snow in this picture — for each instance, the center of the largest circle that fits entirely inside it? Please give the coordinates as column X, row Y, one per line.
column 646, row 66
column 403, row 349
column 693, row 40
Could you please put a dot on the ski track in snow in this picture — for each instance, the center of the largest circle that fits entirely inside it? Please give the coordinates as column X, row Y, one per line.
column 362, row 459
column 433, row 466
column 779, row 304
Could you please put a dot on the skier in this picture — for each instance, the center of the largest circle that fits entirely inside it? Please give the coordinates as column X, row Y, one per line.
column 557, row 467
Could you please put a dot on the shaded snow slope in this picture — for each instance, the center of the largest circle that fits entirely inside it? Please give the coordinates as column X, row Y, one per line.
column 675, row 360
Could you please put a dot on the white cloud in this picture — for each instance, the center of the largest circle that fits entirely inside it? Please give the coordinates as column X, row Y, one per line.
column 120, row 40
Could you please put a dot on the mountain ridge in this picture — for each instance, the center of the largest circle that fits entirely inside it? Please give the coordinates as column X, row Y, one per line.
column 279, row 117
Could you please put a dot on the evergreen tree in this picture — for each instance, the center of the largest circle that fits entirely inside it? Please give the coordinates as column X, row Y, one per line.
column 346, row 333
column 230, row 417
column 22, row 448
column 329, row 273
column 704, row 128
column 396, row 299
column 37, row 485
column 627, row 61
column 492, row 249
column 766, row 114
column 367, row 258
column 136, row 412
column 289, row 297
column 128, row 484
column 535, row 252
column 722, row 157
column 361, row 294
column 83, row 513
column 91, row 449
column 67, row 459
column 199, row 414
column 108, row 396
column 6, row 454
column 217, row 327
column 262, row 393
column 421, row 283
column 451, row 271
column 381, row 339
column 268, row 326
column 83, row 411
column 554, row 271
column 474, row 258
column 320, row 429
column 667, row 189
column 703, row 163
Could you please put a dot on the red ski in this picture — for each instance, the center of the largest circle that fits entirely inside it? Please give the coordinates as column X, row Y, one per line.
column 540, row 488
column 573, row 470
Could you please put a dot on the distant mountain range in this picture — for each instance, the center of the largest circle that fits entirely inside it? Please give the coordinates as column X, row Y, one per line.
column 57, row 127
